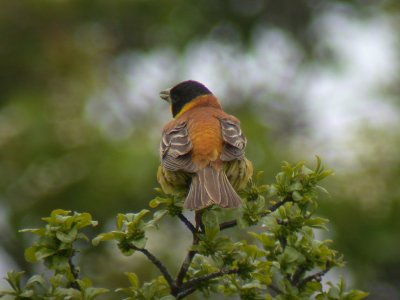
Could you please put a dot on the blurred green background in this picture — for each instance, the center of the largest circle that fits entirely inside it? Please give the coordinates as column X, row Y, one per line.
column 80, row 116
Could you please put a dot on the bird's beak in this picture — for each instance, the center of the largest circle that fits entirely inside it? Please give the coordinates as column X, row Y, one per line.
column 165, row 95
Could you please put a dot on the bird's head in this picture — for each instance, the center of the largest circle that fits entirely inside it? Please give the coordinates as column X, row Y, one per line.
column 182, row 94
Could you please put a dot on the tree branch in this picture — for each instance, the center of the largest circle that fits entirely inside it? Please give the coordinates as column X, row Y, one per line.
column 189, row 257
column 233, row 223
column 189, row 287
column 188, row 224
column 158, row 264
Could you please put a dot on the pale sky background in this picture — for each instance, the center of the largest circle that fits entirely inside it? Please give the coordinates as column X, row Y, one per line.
column 338, row 100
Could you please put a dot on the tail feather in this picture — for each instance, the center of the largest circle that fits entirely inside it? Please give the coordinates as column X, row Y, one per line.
column 209, row 179
column 211, row 186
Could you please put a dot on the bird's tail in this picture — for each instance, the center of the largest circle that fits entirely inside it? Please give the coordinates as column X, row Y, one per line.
column 211, row 186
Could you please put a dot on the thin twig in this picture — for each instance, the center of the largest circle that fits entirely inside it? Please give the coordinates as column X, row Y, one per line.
column 233, row 223
column 198, row 280
column 275, row 289
column 186, row 263
column 185, row 293
column 317, row 276
column 188, row 224
column 279, row 204
column 282, row 222
column 297, row 275
column 75, row 273
column 227, row 224
column 282, row 240
column 158, row 264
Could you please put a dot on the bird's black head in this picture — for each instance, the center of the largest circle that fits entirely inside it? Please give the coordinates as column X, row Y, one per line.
column 183, row 93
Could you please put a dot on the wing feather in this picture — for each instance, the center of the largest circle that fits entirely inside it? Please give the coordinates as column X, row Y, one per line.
column 235, row 141
column 175, row 149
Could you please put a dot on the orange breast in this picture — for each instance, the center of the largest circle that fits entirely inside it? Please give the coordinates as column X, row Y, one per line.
column 205, row 134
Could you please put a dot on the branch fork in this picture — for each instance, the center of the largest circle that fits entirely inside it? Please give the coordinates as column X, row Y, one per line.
column 181, row 289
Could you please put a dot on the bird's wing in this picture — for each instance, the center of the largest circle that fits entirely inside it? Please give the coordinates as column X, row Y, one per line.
column 235, row 141
column 175, row 149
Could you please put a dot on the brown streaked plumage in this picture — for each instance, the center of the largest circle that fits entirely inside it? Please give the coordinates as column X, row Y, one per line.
column 202, row 149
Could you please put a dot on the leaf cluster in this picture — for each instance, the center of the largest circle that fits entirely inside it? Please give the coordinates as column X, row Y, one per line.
column 55, row 247
column 131, row 231
column 36, row 288
column 279, row 256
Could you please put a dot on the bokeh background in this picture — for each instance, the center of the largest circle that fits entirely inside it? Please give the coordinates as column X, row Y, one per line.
column 80, row 116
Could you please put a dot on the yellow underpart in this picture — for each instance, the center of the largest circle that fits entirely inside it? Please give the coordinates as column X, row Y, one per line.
column 239, row 172
column 173, row 183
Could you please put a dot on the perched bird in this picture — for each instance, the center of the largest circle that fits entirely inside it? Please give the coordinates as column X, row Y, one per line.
column 202, row 149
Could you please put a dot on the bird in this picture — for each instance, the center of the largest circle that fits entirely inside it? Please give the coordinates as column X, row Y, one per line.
column 202, row 150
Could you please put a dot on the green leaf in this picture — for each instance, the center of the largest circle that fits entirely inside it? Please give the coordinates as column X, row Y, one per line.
column 58, row 262
column 292, row 254
column 14, row 279
column 113, row 235
column 35, row 279
column 297, row 196
column 59, row 212
column 154, row 203
column 92, row 292
column 323, row 190
column 30, row 254
column 120, row 221
column 252, row 285
column 67, row 293
column 319, row 162
column 82, row 236
column 43, row 252
column 211, row 224
column 267, row 240
column 356, row 295
column 83, row 220
column 159, row 214
column 281, row 178
column 313, row 286
column 27, row 294
column 316, row 222
column 334, row 293
column 141, row 243
column 68, row 237
column 168, row 297
column 139, row 216
column 133, row 279
column 306, row 171
column 38, row 231
column 297, row 186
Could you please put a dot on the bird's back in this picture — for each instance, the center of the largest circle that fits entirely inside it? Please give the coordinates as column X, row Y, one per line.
column 205, row 133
